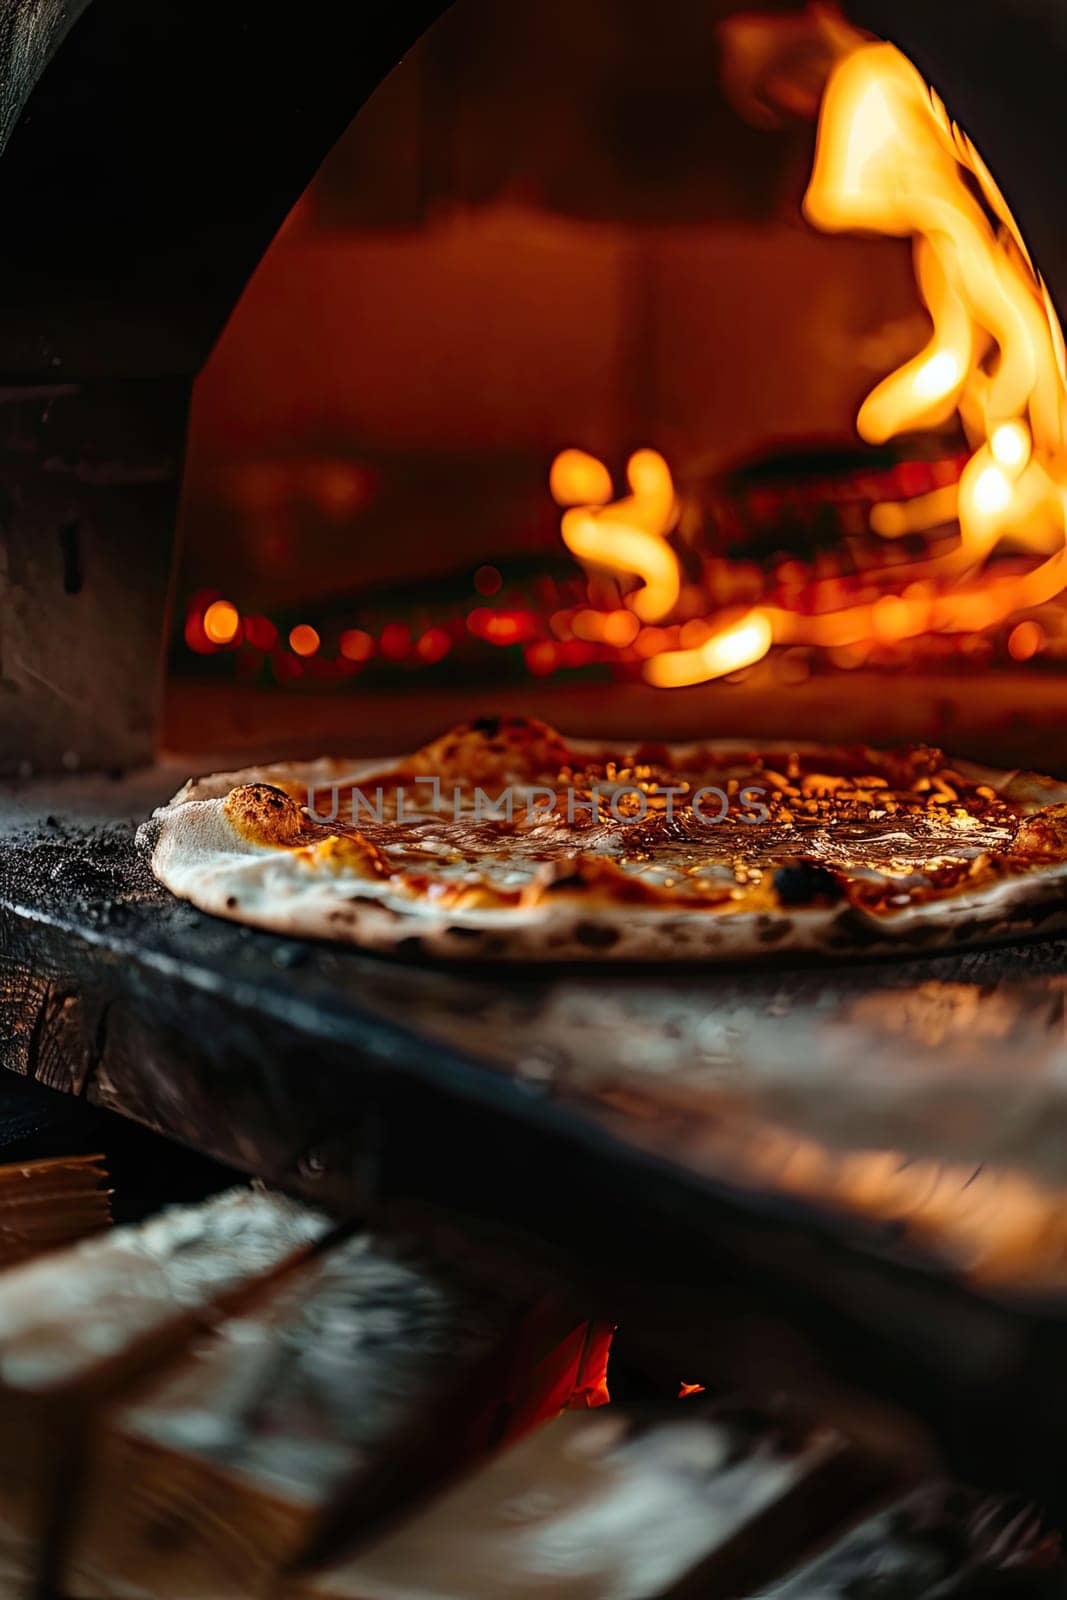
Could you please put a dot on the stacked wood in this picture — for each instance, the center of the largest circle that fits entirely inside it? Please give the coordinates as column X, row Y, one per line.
column 616, row 1503
column 233, row 1401
column 79, row 1324
column 372, row 1373
column 46, row 1204
column 940, row 1541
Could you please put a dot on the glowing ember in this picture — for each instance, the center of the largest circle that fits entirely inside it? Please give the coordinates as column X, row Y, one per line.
column 303, row 639
column 433, row 645
column 221, row 622
column 888, row 160
column 1025, row 640
column 260, row 633
column 356, row 645
column 685, row 1390
column 395, row 641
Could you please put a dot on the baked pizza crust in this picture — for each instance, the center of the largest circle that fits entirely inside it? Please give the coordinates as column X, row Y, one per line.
column 207, row 847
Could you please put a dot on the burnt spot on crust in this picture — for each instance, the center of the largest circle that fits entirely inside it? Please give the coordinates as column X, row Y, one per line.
column 568, row 882
column 854, row 929
column 596, row 935
column 1043, row 910
column 263, row 814
column 806, row 883
column 490, row 726
column 368, row 903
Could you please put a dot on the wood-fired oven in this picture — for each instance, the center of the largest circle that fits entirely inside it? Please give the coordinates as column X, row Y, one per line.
column 373, row 364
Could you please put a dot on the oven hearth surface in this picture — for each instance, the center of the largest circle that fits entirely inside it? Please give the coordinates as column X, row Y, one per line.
column 874, row 1152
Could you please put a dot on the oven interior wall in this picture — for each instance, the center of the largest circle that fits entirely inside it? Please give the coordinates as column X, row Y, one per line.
column 555, row 229
column 549, row 230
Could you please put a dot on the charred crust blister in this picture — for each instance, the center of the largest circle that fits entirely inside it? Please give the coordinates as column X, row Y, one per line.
column 263, row 814
column 806, row 883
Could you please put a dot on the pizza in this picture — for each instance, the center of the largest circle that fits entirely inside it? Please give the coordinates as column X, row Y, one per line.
column 505, row 840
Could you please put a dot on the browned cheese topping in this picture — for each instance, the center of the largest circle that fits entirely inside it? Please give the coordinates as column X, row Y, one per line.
column 503, row 812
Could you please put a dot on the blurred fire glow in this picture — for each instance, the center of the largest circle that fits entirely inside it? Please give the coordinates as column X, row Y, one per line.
column 630, row 533
column 356, row 645
column 927, row 556
column 304, row 640
column 221, row 622
column 888, row 160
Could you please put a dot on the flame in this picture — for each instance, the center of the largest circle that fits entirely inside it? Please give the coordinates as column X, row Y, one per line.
column 888, row 160
column 735, row 647
column 579, row 479
column 628, row 535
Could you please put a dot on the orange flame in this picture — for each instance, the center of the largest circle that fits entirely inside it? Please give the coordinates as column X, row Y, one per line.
column 629, row 535
column 889, row 160
column 735, row 647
